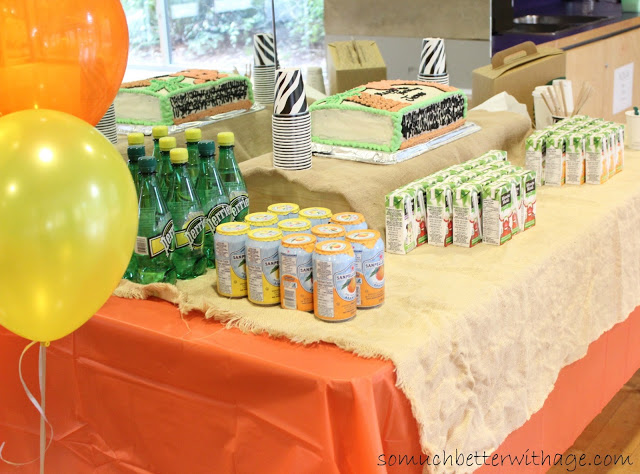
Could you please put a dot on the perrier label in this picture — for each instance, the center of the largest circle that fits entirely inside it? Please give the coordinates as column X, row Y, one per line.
column 218, row 214
column 192, row 232
column 239, row 205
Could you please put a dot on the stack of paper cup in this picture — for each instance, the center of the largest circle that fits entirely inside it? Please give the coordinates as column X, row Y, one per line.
column 433, row 61
column 107, row 125
column 291, row 122
column 264, row 67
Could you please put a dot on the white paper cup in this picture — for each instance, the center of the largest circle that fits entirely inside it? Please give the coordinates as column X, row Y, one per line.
column 633, row 130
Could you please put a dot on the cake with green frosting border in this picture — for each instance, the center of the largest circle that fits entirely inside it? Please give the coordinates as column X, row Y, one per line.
column 185, row 96
column 388, row 115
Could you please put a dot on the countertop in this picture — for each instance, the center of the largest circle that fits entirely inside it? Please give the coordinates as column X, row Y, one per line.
column 616, row 20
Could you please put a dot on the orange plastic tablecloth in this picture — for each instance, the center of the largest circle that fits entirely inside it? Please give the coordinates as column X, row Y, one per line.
column 135, row 391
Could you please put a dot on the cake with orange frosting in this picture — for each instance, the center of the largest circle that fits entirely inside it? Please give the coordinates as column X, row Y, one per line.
column 388, row 115
column 181, row 97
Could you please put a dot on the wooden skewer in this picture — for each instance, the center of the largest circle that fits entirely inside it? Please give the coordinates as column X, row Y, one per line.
column 557, row 88
column 564, row 101
column 548, row 102
column 585, row 93
column 552, row 95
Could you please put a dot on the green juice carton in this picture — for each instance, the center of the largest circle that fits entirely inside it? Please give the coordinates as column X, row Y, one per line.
column 440, row 214
column 535, row 154
column 556, row 156
column 528, row 196
column 613, row 147
column 480, row 161
column 497, row 209
column 467, row 215
column 470, row 174
column 619, row 141
column 597, row 157
column 517, row 216
column 401, row 231
column 576, row 158
column 495, row 155
column 457, row 179
column 416, row 189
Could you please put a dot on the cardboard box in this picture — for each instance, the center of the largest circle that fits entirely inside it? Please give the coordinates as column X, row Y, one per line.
column 354, row 63
column 533, row 66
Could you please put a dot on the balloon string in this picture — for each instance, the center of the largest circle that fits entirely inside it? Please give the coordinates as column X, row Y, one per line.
column 35, row 403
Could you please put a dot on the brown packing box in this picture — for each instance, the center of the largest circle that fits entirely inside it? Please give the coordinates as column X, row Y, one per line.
column 354, row 63
column 533, row 66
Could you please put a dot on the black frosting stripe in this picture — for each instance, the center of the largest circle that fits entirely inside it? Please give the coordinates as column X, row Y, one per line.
column 434, row 116
column 197, row 100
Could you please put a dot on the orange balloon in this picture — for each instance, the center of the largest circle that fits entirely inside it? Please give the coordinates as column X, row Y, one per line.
column 66, row 55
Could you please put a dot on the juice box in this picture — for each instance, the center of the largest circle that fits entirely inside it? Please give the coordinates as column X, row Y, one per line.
column 419, row 211
column 535, row 154
column 440, row 214
column 517, row 216
column 496, row 213
column 467, row 215
column 401, row 227
column 498, row 164
column 495, row 155
column 475, row 162
column 457, row 179
column 556, row 155
column 616, row 148
column 528, row 196
column 496, row 174
column 597, row 157
column 576, row 158
column 513, row 168
column 470, row 174
column 619, row 136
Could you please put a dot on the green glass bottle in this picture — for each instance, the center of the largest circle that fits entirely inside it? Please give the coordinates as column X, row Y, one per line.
column 165, row 170
column 232, row 177
column 156, row 237
column 193, row 137
column 188, row 218
column 213, row 197
column 134, row 152
column 158, row 132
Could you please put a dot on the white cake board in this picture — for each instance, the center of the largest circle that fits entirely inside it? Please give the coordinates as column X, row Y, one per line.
column 391, row 158
column 124, row 128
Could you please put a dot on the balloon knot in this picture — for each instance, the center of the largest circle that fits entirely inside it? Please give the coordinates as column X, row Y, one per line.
column 46, row 344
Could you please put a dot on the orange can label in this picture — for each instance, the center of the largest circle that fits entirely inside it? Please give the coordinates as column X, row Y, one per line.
column 334, row 289
column 370, row 278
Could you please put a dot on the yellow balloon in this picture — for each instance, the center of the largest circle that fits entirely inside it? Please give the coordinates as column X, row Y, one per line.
column 68, row 222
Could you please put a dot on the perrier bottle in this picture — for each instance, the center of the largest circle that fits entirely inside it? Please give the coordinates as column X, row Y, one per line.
column 135, row 151
column 232, row 178
column 155, row 229
column 193, row 137
column 213, row 197
column 165, row 170
column 188, row 219
column 158, row 132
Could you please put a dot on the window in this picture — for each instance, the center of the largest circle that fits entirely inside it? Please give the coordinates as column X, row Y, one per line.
column 218, row 34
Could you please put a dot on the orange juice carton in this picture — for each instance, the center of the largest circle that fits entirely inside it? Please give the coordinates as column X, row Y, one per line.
column 528, row 194
column 615, row 150
column 495, row 155
column 402, row 229
column 440, row 214
column 517, row 216
column 619, row 142
column 597, row 157
column 497, row 209
column 467, row 215
column 556, row 169
column 536, row 153
column 576, row 158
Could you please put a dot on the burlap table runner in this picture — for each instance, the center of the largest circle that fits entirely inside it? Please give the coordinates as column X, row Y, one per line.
column 478, row 336
column 350, row 186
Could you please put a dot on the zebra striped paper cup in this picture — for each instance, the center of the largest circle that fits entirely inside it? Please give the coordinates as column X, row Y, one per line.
column 264, row 51
column 290, row 97
column 433, row 58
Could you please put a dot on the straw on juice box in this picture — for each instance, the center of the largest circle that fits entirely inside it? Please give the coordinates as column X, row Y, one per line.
column 535, row 154
column 575, row 158
column 496, row 213
column 467, row 214
column 440, row 214
column 597, row 157
column 528, row 195
column 556, row 169
column 401, row 229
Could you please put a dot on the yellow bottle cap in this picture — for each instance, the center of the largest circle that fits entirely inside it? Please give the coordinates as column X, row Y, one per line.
column 167, row 143
column 265, row 235
column 193, row 134
column 284, row 208
column 179, row 155
column 160, row 131
column 135, row 138
column 334, row 247
column 233, row 228
column 226, row 138
column 261, row 219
